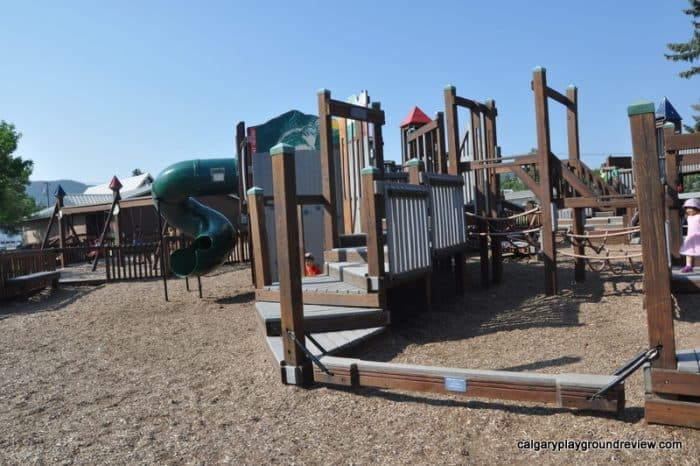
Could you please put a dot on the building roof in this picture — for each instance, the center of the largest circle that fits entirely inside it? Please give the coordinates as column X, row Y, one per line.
column 666, row 112
column 415, row 117
column 133, row 183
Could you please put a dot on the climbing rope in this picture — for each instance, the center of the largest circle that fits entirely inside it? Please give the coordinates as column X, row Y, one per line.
column 501, row 219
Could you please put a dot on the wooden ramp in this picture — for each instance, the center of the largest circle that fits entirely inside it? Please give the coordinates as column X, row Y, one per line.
column 685, row 282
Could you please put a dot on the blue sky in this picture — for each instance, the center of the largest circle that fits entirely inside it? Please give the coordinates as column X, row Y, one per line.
column 99, row 88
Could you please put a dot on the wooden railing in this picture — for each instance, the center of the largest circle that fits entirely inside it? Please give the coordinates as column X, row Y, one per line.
column 25, row 262
column 20, row 263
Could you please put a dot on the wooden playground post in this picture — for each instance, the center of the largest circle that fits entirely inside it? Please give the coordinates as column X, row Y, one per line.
column 453, row 155
column 440, row 159
column 297, row 367
column 673, row 212
column 258, row 230
column 372, row 222
column 481, row 198
column 650, row 195
column 378, row 144
column 578, row 219
column 494, row 186
column 330, row 220
column 415, row 168
column 544, row 156
column 60, row 194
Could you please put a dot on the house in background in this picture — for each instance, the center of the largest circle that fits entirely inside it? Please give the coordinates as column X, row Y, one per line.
column 86, row 213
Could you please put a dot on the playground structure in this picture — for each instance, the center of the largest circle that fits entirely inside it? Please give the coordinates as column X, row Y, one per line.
column 386, row 234
column 413, row 224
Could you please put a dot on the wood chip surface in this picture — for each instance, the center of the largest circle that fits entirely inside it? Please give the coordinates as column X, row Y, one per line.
column 114, row 374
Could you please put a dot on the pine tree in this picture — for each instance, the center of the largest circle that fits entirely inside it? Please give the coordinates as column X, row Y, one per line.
column 688, row 51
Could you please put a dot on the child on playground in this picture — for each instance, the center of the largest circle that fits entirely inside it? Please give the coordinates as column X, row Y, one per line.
column 691, row 243
column 310, row 267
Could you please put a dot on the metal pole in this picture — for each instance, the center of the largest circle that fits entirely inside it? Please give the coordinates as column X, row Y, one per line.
column 162, row 251
column 199, row 285
column 187, row 284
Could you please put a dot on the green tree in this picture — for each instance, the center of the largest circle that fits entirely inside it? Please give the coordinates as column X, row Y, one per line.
column 136, row 172
column 15, row 204
column 696, row 127
column 688, row 51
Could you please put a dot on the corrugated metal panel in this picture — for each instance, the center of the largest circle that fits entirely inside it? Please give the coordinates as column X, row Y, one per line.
column 447, row 211
column 407, row 228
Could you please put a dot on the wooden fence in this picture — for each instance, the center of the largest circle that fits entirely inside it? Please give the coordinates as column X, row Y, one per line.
column 21, row 263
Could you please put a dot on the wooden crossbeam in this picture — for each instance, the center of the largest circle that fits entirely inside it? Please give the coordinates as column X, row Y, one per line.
column 564, row 390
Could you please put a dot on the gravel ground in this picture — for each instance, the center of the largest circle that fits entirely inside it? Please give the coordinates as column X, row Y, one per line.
column 114, row 374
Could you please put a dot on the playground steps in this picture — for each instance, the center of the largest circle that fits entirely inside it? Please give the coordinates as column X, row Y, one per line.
column 319, row 318
column 332, row 342
column 689, row 360
column 325, row 290
column 685, row 282
column 353, row 273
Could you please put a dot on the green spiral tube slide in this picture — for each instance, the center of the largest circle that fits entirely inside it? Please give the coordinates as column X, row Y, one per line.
column 214, row 236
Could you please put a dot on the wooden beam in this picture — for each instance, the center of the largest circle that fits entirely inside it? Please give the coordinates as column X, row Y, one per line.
column 258, row 230
column 372, row 222
column 527, row 180
column 297, row 365
column 452, row 133
column 561, row 98
column 673, row 382
column 566, row 390
column 657, row 273
column 601, row 202
column 330, row 220
column 426, row 128
column 579, row 186
column 683, row 141
column 494, row 187
column 670, row 412
column 544, row 156
column 355, row 112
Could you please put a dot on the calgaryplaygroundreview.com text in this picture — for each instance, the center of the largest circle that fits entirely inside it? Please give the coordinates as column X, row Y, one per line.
column 589, row 445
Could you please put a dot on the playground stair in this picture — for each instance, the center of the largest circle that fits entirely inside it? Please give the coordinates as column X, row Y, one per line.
column 342, row 307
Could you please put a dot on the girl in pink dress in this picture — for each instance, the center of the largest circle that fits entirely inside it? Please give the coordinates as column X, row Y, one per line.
column 691, row 243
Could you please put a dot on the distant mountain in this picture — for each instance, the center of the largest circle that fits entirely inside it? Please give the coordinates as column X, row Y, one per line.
column 37, row 189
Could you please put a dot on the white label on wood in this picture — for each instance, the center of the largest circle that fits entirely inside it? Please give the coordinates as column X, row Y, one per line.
column 454, row 384
column 218, row 175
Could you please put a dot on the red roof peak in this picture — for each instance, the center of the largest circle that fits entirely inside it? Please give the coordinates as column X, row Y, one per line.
column 115, row 184
column 415, row 117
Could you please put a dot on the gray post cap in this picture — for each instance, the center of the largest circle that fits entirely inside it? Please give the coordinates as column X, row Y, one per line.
column 281, row 148
column 369, row 171
column 639, row 107
column 255, row 191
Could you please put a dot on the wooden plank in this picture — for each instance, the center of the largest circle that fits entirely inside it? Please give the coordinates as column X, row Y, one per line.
column 336, row 299
column 494, row 189
column 675, row 383
column 657, row 274
column 671, row 412
column 527, row 180
column 355, row 112
column 288, row 265
column 423, row 130
column 579, row 186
